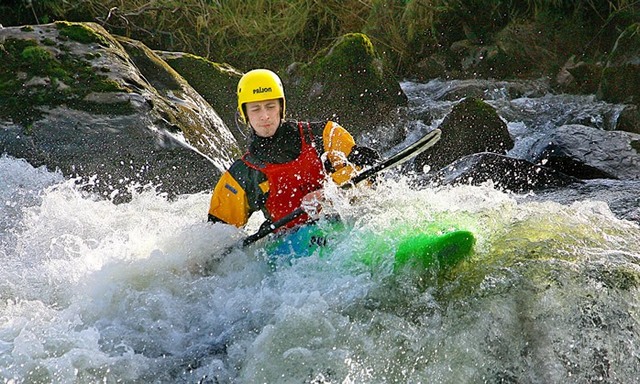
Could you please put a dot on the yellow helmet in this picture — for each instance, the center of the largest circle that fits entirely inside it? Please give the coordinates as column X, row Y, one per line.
column 259, row 85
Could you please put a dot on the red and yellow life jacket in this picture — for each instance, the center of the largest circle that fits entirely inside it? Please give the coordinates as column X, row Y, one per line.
column 245, row 187
column 289, row 182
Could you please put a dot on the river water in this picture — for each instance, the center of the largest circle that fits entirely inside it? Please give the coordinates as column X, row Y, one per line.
column 91, row 291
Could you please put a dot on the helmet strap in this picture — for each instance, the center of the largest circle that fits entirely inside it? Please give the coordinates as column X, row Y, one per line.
column 240, row 129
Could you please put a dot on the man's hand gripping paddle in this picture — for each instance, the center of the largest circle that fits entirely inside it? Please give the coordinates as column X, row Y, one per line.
column 426, row 142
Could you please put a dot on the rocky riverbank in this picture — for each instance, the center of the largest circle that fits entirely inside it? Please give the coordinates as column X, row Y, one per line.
column 116, row 114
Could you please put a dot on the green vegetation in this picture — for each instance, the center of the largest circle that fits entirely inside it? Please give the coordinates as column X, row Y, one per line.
column 526, row 36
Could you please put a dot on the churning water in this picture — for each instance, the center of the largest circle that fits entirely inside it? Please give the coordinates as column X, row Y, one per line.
column 96, row 292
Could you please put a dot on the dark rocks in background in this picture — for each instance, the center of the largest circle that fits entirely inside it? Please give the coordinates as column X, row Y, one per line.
column 579, row 77
column 127, row 117
column 620, row 81
column 629, row 119
column 589, row 153
column 348, row 83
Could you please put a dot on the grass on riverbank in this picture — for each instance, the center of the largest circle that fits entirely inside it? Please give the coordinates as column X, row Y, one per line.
column 275, row 33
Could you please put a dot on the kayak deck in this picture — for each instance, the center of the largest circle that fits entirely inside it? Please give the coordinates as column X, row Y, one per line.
column 417, row 248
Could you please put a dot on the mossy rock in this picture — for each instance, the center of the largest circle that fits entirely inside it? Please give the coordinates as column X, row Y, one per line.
column 81, row 33
column 36, row 73
column 347, row 82
column 472, row 126
column 179, row 106
column 81, row 104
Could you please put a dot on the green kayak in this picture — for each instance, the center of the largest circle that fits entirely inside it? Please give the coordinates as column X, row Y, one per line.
column 422, row 248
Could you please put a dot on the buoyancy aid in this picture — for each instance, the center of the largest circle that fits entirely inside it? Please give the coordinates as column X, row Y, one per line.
column 289, row 182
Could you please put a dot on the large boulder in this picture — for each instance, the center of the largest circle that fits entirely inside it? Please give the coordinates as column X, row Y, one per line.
column 349, row 83
column 472, row 126
column 620, row 81
column 74, row 99
column 589, row 153
column 216, row 82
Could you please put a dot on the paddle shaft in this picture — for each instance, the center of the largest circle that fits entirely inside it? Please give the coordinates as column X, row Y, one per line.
column 408, row 153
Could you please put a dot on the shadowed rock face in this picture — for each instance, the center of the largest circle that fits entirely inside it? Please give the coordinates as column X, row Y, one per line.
column 472, row 126
column 108, row 110
column 348, row 83
column 621, row 75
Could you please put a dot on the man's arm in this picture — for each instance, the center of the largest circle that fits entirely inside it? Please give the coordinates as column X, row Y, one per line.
column 343, row 154
column 229, row 202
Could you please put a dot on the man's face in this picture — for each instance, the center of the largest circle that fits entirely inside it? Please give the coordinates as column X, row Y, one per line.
column 264, row 116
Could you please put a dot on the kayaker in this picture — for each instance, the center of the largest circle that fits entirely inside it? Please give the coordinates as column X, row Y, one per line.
column 287, row 161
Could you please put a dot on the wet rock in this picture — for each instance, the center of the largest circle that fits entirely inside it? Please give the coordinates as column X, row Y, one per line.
column 589, row 153
column 579, row 77
column 215, row 82
column 506, row 173
column 472, row 126
column 74, row 99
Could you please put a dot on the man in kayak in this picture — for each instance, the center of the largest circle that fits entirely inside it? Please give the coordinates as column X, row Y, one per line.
column 287, row 161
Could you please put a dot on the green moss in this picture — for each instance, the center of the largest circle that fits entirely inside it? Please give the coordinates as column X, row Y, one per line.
column 353, row 51
column 49, row 42
column 37, row 56
column 27, row 28
column 108, row 85
column 53, row 81
column 80, row 33
column 91, row 55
